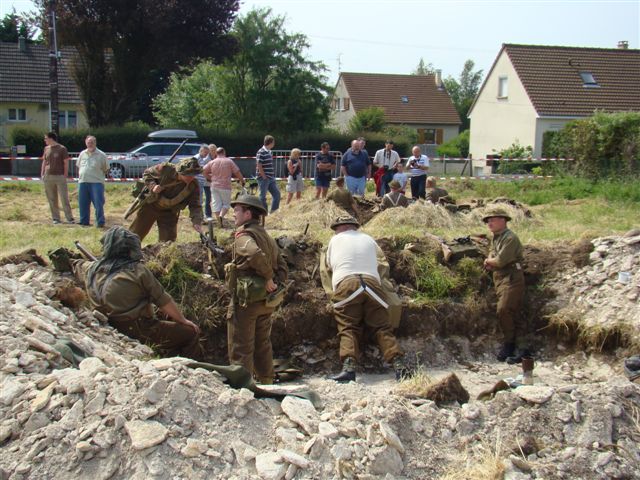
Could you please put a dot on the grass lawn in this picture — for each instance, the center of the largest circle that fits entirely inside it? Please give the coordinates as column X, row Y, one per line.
column 563, row 209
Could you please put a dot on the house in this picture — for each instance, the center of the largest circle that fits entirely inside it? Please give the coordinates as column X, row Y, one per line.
column 24, row 89
column 532, row 89
column 415, row 101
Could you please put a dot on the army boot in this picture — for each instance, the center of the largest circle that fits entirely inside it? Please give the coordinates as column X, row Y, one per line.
column 400, row 368
column 348, row 373
column 506, row 350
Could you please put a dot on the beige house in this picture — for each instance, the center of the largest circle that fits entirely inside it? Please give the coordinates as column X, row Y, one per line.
column 24, row 89
column 414, row 101
column 532, row 89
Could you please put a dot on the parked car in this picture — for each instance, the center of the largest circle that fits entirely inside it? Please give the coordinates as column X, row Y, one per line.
column 162, row 145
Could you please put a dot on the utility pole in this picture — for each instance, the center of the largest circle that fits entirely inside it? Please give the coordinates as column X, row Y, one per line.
column 53, row 69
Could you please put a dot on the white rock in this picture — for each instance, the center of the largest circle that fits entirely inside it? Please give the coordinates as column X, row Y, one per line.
column 194, row 448
column 42, row 398
column 470, row 411
column 387, row 461
column 145, row 434
column 71, row 420
column 291, row 472
column 92, row 365
column 327, row 430
column 302, row 412
column 391, row 437
column 84, row 446
column 156, row 390
column 270, row 466
column 11, row 388
column 294, row 458
column 25, row 299
column 534, row 393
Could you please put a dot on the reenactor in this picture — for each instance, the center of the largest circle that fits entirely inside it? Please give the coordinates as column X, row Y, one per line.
column 434, row 193
column 343, row 198
column 170, row 189
column 505, row 261
column 352, row 257
column 121, row 287
column 395, row 198
column 256, row 279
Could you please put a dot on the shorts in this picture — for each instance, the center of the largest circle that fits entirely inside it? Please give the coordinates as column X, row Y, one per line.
column 323, row 182
column 220, row 199
column 296, row 185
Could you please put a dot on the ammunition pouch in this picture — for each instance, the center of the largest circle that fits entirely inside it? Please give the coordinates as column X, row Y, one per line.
column 250, row 289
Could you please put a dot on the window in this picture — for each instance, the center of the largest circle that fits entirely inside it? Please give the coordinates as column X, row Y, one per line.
column 503, row 87
column 588, row 80
column 68, row 118
column 17, row 115
column 337, row 104
column 404, row 99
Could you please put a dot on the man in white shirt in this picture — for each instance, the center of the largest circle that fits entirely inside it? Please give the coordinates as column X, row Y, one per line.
column 92, row 167
column 358, row 299
column 418, row 165
column 387, row 159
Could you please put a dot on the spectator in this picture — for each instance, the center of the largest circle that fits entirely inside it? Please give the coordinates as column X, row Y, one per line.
column 203, row 157
column 219, row 172
column 92, row 166
column 54, row 172
column 356, row 168
column 387, row 159
column 418, row 165
column 295, row 180
column 265, row 171
column 401, row 177
column 325, row 162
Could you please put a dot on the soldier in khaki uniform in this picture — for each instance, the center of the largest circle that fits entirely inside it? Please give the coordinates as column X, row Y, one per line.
column 505, row 261
column 358, row 299
column 343, row 198
column 395, row 198
column 256, row 269
column 179, row 191
column 122, row 288
column 433, row 193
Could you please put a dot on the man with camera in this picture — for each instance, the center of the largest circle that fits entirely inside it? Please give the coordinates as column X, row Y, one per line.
column 418, row 166
column 387, row 159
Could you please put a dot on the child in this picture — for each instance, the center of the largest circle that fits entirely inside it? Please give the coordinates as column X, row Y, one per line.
column 401, row 177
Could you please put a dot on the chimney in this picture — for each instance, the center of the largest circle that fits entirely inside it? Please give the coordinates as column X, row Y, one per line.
column 439, row 78
column 22, row 44
column 623, row 44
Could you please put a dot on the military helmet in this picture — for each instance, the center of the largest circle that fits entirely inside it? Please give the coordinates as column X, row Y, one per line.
column 344, row 220
column 495, row 212
column 189, row 166
column 249, row 201
column 395, row 184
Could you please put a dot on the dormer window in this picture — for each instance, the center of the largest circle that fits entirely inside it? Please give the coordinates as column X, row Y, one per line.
column 404, row 99
column 588, row 80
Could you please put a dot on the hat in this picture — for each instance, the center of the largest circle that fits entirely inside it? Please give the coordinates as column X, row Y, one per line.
column 495, row 212
column 249, row 201
column 345, row 220
column 189, row 166
column 395, row 184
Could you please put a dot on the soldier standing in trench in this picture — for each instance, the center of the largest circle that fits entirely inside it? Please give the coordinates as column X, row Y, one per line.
column 505, row 261
column 251, row 276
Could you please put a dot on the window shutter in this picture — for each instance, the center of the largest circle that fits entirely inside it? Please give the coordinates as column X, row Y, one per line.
column 346, row 103
column 439, row 135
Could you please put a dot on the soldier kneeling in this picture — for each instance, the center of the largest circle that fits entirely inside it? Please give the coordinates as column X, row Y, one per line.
column 123, row 289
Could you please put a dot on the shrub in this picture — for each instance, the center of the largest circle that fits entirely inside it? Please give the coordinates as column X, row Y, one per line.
column 457, row 147
column 434, row 282
column 367, row 120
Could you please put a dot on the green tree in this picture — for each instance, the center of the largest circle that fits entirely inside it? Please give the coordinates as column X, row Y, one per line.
column 127, row 50
column 13, row 26
column 464, row 90
column 457, row 147
column 368, row 120
column 424, row 68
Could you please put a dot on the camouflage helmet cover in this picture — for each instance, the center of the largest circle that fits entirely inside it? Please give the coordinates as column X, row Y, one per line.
column 344, row 220
column 249, row 201
column 189, row 166
column 495, row 212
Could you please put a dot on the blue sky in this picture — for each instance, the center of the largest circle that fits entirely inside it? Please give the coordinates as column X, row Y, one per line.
column 390, row 36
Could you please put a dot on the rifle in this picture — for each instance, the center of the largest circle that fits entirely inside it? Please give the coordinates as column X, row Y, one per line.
column 146, row 195
column 213, row 250
column 85, row 253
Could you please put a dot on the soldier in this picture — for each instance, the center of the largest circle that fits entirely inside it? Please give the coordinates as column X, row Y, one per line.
column 121, row 287
column 252, row 275
column 343, row 198
column 179, row 189
column 352, row 258
column 434, row 194
column 395, row 198
column 505, row 261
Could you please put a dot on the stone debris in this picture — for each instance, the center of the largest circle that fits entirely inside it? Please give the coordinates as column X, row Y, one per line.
column 124, row 414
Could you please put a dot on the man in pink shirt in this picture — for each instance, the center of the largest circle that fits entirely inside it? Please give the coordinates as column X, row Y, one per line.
column 219, row 172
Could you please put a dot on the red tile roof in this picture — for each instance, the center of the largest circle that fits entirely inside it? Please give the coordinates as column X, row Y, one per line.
column 426, row 103
column 24, row 76
column 551, row 77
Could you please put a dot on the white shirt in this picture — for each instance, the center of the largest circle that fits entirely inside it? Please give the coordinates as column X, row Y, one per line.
column 351, row 253
column 386, row 157
column 92, row 166
column 423, row 161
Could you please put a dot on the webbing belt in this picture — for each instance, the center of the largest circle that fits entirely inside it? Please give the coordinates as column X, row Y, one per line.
column 363, row 288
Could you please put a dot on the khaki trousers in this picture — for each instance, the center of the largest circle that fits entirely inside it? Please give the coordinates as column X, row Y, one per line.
column 148, row 215
column 169, row 336
column 54, row 186
column 360, row 313
column 249, row 340
column 510, row 291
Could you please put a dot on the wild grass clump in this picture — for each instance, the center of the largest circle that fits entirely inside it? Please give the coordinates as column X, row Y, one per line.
column 483, row 462
column 470, row 272
column 292, row 219
column 416, row 385
column 434, row 282
column 15, row 214
column 418, row 216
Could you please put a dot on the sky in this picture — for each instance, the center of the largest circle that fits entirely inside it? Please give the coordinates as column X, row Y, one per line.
column 390, row 36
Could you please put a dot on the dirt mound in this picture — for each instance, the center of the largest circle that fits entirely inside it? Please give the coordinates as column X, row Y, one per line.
column 27, row 256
